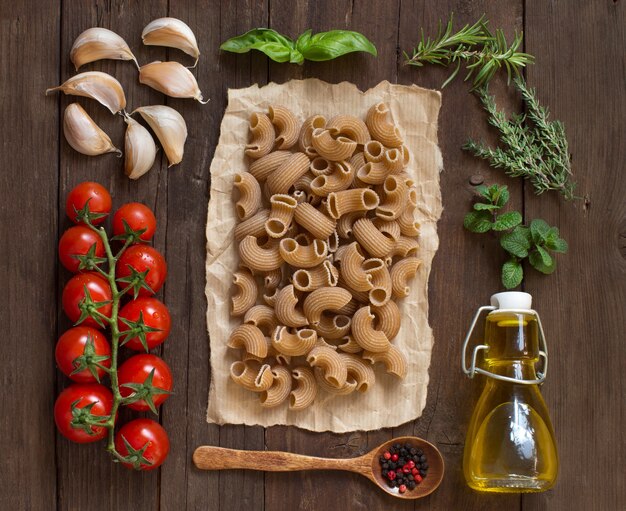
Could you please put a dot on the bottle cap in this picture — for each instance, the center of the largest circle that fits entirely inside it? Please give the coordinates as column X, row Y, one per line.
column 512, row 300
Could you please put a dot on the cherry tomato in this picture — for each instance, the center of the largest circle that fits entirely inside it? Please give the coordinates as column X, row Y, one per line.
column 138, row 433
column 142, row 258
column 84, row 394
column 155, row 314
column 74, row 292
column 97, row 195
column 137, row 216
column 136, row 370
column 71, row 353
column 78, row 240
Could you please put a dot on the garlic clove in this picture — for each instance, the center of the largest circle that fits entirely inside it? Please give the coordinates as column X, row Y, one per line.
column 169, row 127
column 97, row 44
column 140, row 149
column 172, row 79
column 83, row 134
column 173, row 33
column 95, row 85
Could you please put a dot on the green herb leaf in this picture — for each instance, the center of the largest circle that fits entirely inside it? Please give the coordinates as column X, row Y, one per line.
column 507, row 221
column 539, row 230
column 276, row 46
column 512, row 274
column 516, row 243
column 546, row 259
column 481, row 206
column 536, row 260
column 477, row 221
column 502, row 197
column 330, row 45
column 484, row 191
column 558, row 245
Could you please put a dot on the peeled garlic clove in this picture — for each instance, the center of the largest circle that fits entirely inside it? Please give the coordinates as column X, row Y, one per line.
column 97, row 44
column 139, row 148
column 172, row 79
column 95, row 85
column 169, row 127
column 173, row 33
column 84, row 135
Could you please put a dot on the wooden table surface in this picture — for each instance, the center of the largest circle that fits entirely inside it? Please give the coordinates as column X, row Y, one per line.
column 580, row 73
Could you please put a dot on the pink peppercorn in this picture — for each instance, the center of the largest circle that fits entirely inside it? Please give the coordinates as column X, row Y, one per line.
column 394, row 457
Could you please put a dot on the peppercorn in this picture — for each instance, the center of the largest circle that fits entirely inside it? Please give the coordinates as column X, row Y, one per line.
column 410, row 477
column 391, row 475
column 412, row 485
column 394, row 457
column 423, row 473
column 424, row 466
column 419, row 452
column 413, row 451
column 386, row 455
column 402, row 488
column 411, row 464
column 422, row 458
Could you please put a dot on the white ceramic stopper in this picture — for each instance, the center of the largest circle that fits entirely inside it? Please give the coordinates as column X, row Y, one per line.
column 512, row 300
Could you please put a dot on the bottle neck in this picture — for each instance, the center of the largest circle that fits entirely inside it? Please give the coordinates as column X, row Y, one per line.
column 518, row 369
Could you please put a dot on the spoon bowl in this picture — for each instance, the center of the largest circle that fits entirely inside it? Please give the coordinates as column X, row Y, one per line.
column 219, row 458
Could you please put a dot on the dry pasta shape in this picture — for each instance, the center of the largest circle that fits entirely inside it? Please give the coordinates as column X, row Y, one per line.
column 262, row 168
column 401, row 272
column 305, row 391
column 380, row 127
column 303, row 256
column 262, row 317
column 393, row 359
column 294, row 344
column 314, row 221
column 251, row 375
column 284, row 177
column 330, row 363
column 286, row 309
column 306, row 134
column 365, row 334
column 333, row 149
column 388, row 319
column 352, row 269
column 340, row 179
column 323, row 299
column 359, row 371
column 324, row 275
column 287, row 126
column 350, row 126
column 347, row 388
column 280, row 389
column 250, row 195
column 281, row 213
column 247, row 291
column 333, row 327
column 347, row 201
column 349, row 345
column 263, row 136
column 381, row 290
column 371, row 239
column 250, row 338
column 394, row 203
column 253, row 226
column 266, row 258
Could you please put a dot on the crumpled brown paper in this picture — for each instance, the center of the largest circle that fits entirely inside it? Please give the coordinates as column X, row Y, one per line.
column 415, row 111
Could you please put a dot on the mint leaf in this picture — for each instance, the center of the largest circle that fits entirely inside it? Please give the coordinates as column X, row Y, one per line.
column 539, row 230
column 512, row 274
column 481, row 206
column 484, row 191
column 546, row 259
column 516, row 243
column 536, row 261
column 501, row 197
column 507, row 221
column 477, row 221
column 558, row 245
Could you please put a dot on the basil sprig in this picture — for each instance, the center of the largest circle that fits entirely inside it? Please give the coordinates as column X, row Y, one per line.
column 316, row 47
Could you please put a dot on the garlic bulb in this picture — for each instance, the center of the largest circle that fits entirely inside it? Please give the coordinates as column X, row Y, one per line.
column 97, row 44
column 173, row 33
column 169, row 127
column 139, row 148
column 84, row 135
column 172, row 79
column 95, row 85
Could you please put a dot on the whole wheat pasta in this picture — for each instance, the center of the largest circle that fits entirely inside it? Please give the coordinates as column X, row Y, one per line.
column 373, row 173
column 285, row 308
column 322, row 299
column 365, row 334
column 262, row 317
column 251, row 375
column 359, row 371
column 350, row 126
column 313, row 200
column 333, row 327
column 258, row 258
column 405, row 247
column 347, row 388
column 380, row 293
column 280, row 389
column 294, row 344
column 340, row 179
column 333, row 242
column 303, row 256
column 357, row 160
column 250, row 195
column 321, row 343
column 349, row 308
column 304, row 183
column 321, row 167
column 314, row 221
column 352, row 269
column 407, row 223
column 323, row 275
column 253, row 226
column 286, row 124
column 250, row 338
column 390, row 229
column 246, row 294
column 346, row 221
column 330, row 362
column 373, row 151
column 394, row 160
column 412, row 196
column 283, row 178
column 272, row 279
column 264, row 166
column 406, row 155
column 359, row 296
column 380, row 128
column 372, row 240
column 346, row 201
column 263, row 136
column 388, row 319
column 401, row 272
column 395, row 195
column 281, row 213
column 349, row 345
column 334, row 149
column 269, row 297
column 305, row 391
column 299, row 195
column 408, row 180
column 393, row 359
column 306, row 133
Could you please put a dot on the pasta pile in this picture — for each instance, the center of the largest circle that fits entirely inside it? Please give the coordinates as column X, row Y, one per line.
column 327, row 242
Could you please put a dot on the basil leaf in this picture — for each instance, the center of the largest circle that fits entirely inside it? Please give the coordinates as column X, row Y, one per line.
column 333, row 44
column 276, row 46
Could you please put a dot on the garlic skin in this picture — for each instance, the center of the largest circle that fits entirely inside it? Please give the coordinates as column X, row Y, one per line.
column 172, row 79
column 97, row 44
column 140, row 149
column 95, row 85
column 84, row 135
column 173, row 33
column 169, row 127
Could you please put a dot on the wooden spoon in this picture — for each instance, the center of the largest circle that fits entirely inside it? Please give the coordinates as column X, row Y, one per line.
column 219, row 458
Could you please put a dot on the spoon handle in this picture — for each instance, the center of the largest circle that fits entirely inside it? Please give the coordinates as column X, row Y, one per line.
column 219, row 458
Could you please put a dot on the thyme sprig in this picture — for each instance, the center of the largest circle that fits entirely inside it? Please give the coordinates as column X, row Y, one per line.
column 483, row 52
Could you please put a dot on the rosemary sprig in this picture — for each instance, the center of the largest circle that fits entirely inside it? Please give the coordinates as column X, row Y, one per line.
column 533, row 147
column 483, row 52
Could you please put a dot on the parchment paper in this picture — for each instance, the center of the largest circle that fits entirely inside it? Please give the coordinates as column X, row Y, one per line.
column 415, row 110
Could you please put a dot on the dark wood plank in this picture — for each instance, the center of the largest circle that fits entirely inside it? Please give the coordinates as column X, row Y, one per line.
column 580, row 74
column 29, row 43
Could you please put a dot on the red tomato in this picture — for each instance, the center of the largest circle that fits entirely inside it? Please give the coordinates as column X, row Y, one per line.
column 139, row 433
column 138, row 217
column 142, row 258
column 78, row 240
column 71, row 353
column 97, row 195
column 74, row 292
column 155, row 314
column 136, row 370
column 85, row 394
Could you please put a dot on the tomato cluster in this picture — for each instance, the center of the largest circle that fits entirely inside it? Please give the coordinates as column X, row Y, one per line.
column 84, row 354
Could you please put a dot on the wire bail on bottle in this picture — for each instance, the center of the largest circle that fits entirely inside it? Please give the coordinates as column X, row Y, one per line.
column 472, row 369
